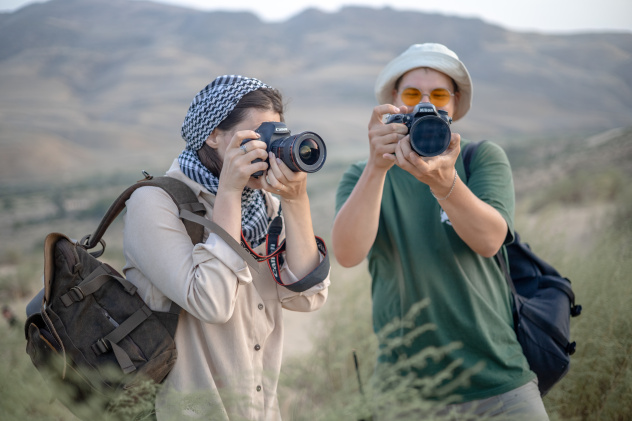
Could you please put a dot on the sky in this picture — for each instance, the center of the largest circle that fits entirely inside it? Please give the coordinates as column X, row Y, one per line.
column 548, row 16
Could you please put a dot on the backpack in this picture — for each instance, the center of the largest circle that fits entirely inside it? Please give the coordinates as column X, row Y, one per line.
column 88, row 331
column 543, row 303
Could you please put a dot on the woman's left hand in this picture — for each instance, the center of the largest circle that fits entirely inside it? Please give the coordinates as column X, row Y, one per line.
column 281, row 180
column 301, row 252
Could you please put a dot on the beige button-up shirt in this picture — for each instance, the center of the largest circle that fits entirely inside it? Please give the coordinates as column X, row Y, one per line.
column 230, row 334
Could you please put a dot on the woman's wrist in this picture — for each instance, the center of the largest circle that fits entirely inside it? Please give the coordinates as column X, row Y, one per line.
column 300, row 203
column 228, row 194
column 227, row 211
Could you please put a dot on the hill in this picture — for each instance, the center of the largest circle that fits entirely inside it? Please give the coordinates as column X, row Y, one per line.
column 103, row 85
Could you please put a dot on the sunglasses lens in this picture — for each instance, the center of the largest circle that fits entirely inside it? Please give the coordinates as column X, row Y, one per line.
column 440, row 97
column 411, row 96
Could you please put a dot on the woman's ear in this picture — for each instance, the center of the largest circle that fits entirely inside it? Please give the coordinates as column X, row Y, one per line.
column 212, row 140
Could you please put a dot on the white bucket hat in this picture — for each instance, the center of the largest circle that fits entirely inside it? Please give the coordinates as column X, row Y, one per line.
column 434, row 56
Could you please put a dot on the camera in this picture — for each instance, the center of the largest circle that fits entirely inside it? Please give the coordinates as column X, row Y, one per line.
column 304, row 152
column 428, row 127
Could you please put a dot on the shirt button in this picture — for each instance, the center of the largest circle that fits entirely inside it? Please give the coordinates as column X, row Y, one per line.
column 257, row 347
column 260, row 306
column 258, row 388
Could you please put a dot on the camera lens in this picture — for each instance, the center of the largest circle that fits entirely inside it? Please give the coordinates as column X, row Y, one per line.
column 430, row 136
column 309, row 151
column 304, row 152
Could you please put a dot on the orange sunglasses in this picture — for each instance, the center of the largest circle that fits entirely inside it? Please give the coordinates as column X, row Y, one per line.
column 439, row 97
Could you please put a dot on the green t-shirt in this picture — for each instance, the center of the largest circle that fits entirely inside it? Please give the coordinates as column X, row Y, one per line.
column 417, row 255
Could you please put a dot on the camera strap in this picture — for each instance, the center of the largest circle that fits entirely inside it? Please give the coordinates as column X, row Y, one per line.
column 274, row 258
column 272, row 245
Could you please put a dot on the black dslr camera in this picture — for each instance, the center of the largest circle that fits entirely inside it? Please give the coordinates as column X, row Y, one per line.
column 304, row 152
column 428, row 127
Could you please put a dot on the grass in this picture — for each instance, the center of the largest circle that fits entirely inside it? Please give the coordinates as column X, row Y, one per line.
column 598, row 386
column 581, row 223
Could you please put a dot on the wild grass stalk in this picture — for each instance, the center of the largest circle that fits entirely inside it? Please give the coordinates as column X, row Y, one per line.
column 599, row 384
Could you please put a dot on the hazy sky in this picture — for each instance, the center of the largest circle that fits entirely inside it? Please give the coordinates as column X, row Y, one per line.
column 558, row 16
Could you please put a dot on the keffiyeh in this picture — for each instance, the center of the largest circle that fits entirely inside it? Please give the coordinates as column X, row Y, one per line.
column 254, row 216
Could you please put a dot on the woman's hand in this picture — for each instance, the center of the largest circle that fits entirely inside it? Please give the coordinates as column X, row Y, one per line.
column 238, row 164
column 237, row 170
column 301, row 252
column 280, row 179
column 438, row 172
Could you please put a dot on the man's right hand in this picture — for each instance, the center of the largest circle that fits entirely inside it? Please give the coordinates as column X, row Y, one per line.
column 383, row 138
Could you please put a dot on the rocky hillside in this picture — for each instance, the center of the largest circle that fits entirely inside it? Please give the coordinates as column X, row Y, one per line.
column 103, row 85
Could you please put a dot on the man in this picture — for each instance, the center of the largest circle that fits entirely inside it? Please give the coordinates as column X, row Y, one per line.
column 430, row 234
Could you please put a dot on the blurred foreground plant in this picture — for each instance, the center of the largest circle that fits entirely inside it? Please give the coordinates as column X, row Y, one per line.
column 323, row 385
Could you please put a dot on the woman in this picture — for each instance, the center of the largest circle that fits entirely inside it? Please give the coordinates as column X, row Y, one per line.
column 230, row 332
column 430, row 235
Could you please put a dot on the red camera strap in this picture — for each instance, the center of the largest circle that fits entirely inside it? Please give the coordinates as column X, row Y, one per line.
column 274, row 257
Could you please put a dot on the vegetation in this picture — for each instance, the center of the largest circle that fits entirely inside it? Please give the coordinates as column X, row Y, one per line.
column 581, row 222
column 579, row 219
column 600, row 380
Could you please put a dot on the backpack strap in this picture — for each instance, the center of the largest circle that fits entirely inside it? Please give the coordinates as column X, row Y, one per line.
column 111, row 340
column 181, row 194
column 467, row 153
column 99, row 277
column 502, row 263
column 252, row 258
column 186, row 214
column 186, row 200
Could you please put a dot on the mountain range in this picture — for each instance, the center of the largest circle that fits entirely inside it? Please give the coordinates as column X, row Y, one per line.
column 96, row 86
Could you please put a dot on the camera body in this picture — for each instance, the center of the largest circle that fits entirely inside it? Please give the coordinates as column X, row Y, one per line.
column 428, row 127
column 304, row 152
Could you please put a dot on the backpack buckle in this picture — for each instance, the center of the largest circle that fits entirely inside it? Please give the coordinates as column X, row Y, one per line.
column 76, row 294
column 100, row 347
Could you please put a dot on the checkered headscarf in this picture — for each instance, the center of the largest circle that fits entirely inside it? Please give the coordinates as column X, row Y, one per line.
column 208, row 109
column 212, row 105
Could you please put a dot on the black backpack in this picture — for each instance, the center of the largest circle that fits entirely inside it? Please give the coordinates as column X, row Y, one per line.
column 89, row 333
column 543, row 303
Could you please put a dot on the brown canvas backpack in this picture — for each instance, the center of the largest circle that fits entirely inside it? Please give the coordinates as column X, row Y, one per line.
column 91, row 336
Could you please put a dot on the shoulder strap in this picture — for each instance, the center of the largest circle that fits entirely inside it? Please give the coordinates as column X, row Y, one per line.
column 181, row 194
column 467, row 153
column 274, row 250
column 201, row 221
